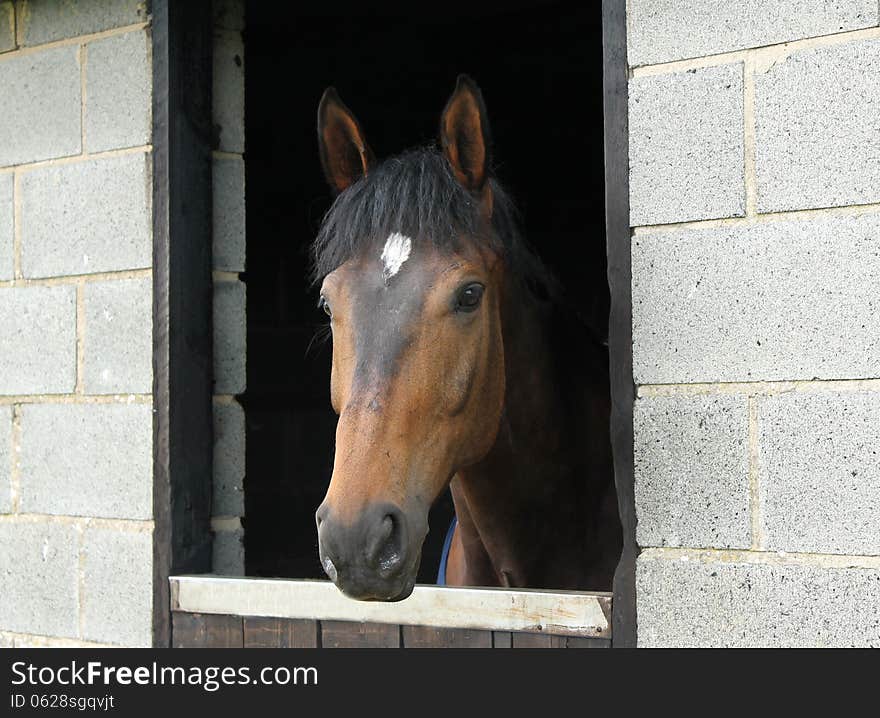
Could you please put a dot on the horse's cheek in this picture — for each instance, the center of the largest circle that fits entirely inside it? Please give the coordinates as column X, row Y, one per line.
column 494, row 401
column 337, row 398
column 481, row 416
column 341, row 369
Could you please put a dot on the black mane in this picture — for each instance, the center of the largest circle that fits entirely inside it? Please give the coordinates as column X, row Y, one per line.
column 416, row 194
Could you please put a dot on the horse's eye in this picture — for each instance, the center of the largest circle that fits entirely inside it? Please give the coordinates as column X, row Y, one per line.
column 469, row 297
column 325, row 305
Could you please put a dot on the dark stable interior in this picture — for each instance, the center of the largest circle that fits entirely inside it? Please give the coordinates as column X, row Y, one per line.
column 539, row 65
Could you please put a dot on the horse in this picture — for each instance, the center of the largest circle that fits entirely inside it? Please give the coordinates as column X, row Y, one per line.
column 455, row 363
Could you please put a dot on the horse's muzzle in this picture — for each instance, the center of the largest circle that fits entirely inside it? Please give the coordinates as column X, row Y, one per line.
column 373, row 558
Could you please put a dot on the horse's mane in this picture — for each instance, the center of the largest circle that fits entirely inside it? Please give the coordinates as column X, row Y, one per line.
column 416, row 194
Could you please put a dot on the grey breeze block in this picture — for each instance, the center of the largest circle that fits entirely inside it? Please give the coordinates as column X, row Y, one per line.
column 228, row 93
column 686, row 146
column 655, row 26
column 39, row 340
column 38, row 578
column 118, row 346
column 793, row 299
column 229, row 214
column 229, row 460
column 118, row 587
column 228, row 553
column 118, row 92
column 6, row 458
column 819, row 475
column 48, row 20
column 7, row 230
column 7, row 26
column 46, row 124
column 712, row 603
column 230, row 337
column 86, row 217
column 105, row 468
column 691, row 471
column 817, row 127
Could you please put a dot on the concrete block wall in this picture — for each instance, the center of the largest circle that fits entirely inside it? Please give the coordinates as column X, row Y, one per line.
column 230, row 296
column 755, row 206
column 75, row 306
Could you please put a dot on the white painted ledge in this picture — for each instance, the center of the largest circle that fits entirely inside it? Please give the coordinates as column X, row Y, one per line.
column 568, row 613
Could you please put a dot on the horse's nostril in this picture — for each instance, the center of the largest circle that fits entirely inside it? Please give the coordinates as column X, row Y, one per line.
column 389, row 559
column 330, row 569
column 389, row 556
column 387, row 528
column 321, row 514
column 387, row 546
column 370, row 556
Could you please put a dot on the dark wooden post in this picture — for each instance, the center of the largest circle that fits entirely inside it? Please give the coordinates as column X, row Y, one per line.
column 182, row 297
column 618, row 238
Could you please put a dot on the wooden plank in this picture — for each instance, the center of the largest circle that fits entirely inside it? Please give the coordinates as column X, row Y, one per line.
column 223, row 632
column 618, row 239
column 577, row 642
column 538, row 640
column 564, row 612
column 502, row 639
column 188, row 630
column 182, row 297
column 351, row 634
column 193, row 630
column 434, row 637
column 280, row 633
column 545, row 640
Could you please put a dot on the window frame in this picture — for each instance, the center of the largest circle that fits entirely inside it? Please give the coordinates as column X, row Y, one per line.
column 182, row 302
column 182, row 297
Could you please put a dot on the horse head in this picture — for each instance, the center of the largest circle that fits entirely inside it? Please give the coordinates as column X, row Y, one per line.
column 411, row 255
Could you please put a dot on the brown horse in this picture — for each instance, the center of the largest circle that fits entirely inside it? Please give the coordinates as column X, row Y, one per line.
column 454, row 365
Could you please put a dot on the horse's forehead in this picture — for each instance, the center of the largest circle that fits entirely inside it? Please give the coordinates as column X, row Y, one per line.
column 386, row 309
column 395, row 253
column 396, row 273
column 388, row 290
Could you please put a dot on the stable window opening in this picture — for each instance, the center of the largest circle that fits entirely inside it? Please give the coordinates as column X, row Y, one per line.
column 539, row 66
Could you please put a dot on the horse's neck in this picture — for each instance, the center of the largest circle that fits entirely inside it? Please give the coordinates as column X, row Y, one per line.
column 527, row 509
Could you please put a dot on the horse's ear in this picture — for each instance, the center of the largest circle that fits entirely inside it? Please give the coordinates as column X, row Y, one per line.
column 464, row 134
column 345, row 155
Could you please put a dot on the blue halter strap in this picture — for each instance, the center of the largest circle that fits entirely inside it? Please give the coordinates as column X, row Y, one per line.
column 444, row 557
